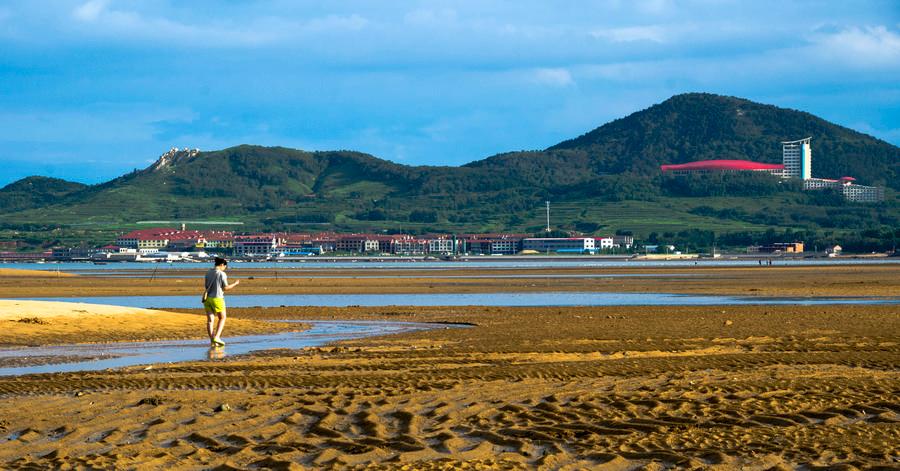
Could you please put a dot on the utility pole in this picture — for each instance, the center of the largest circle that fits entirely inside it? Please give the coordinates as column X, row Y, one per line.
column 548, row 216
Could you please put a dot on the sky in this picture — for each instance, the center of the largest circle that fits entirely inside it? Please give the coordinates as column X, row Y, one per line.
column 93, row 89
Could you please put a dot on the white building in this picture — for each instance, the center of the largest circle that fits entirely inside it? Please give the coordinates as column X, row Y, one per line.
column 850, row 190
column 797, row 159
column 604, row 243
column 862, row 193
column 409, row 246
column 820, row 184
column 440, row 246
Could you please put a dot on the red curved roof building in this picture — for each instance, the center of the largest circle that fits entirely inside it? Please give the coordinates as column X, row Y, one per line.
column 706, row 166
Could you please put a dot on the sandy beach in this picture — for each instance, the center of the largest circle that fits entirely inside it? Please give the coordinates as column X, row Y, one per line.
column 637, row 387
column 759, row 387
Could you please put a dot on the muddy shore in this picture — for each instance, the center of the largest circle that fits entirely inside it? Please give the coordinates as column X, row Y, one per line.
column 707, row 387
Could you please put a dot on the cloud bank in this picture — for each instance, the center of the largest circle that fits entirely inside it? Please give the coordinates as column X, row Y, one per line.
column 435, row 82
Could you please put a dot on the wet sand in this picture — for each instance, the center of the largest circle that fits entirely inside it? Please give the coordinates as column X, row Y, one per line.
column 759, row 387
column 834, row 280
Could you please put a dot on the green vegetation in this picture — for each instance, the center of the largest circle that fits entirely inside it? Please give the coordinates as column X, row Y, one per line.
column 605, row 181
column 33, row 192
column 700, row 126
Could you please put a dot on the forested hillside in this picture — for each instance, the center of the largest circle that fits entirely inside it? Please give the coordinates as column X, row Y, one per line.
column 603, row 181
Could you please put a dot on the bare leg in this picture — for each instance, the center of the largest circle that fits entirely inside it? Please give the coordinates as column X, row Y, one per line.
column 209, row 325
column 220, row 325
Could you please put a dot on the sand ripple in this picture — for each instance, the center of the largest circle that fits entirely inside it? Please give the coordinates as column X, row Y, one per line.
column 594, row 392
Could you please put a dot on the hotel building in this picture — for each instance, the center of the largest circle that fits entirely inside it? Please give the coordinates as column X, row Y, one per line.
column 797, row 159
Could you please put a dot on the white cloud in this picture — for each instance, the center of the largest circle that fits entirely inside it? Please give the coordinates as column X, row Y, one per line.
column 90, row 11
column 557, row 77
column 655, row 7
column 99, row 18
column 426, row 17
column 653, row 33
column 873, row 46
column 335, row 22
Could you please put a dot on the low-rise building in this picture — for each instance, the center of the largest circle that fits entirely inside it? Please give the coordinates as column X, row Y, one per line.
column 721, row 166
column 604, row 243
column 25, row 256
column 72, row 253
column 254, row 245
column 623, row 241
column 409, row 246
column 778, row 247
column 492, row 244
column 219, row 241
column 161, row 239
column 863, row 193
column 145, row 238
column 441, row 245
column 304, row 249
column 357, row 243
column 559, row 244
column 846, row 186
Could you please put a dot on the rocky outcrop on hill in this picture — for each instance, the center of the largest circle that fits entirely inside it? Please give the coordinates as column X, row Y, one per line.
column 174, row 157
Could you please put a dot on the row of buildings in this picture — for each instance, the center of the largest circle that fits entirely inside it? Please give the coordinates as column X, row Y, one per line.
column 149, row 241
column 796, row 163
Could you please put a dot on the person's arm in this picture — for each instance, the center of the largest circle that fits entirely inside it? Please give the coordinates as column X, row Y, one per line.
column 225, row 285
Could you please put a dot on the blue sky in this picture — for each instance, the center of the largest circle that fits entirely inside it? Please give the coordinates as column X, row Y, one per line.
column 92, row 89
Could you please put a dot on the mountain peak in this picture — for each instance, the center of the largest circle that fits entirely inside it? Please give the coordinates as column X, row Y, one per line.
column 704, row 126
column 173, row 157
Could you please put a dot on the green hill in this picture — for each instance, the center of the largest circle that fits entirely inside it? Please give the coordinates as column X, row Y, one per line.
column 603, row 181
column 35, row 191
column 701, row 126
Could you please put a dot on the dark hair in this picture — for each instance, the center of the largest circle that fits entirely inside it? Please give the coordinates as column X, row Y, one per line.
column 221, row 261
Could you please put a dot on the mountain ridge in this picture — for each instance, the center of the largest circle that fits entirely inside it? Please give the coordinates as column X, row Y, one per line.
column 617, row 161
column 592, row 148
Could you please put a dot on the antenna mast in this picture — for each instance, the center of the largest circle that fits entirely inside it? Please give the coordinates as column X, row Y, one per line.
column 548, row 216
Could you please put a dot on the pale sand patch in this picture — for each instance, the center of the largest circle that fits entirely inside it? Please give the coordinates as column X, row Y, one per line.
column 18, row 308
column 48, row 322
column 13, row 272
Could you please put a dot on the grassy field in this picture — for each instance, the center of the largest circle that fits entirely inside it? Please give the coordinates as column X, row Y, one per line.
column 101, row 224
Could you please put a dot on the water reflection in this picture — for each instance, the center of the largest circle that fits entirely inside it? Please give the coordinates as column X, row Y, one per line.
column 120, row 354
column 470, row 299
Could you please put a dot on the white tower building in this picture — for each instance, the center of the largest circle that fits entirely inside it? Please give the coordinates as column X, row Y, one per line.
column 797, row 159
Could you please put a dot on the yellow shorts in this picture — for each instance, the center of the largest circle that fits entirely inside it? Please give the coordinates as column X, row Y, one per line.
column 214, row 304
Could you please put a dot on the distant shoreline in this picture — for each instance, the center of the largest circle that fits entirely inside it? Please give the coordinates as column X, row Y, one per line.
column 495, row 258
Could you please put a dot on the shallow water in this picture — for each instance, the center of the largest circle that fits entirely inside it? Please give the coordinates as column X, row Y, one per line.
column 485, row 262
column 292, row 275
column 465, row 299
column 120, row 354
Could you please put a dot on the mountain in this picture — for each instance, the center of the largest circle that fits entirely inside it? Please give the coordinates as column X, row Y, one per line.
column 702, row 126
column 607, row 179
column 35, row 191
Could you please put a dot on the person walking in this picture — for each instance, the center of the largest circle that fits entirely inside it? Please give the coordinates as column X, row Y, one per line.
column 214, row 300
